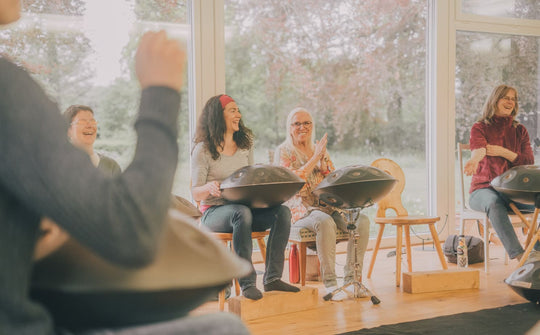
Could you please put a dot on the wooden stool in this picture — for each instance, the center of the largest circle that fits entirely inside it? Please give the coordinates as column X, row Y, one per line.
column 228, row 237
column 402, row 221
column 302, row 237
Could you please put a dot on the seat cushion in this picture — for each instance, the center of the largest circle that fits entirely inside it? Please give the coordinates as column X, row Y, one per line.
column 302, row 234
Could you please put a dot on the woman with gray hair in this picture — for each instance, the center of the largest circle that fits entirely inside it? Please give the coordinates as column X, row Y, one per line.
column 311, row 162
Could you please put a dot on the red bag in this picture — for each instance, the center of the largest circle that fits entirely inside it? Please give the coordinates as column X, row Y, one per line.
column 294, row 267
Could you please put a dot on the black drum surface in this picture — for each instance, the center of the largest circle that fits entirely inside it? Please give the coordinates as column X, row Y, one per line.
column 261, row 185
column 355, row 186
column 525, row 281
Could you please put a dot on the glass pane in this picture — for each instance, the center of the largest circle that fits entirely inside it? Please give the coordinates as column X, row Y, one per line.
column 484, row 61
column 519, row 9
column 358, row 66
column 82, row 52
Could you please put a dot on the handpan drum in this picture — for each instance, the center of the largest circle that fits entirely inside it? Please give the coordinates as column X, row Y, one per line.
column 355, row 186
column 525, row 281
column 261, row 185
column 520, row 184
column 83, row 291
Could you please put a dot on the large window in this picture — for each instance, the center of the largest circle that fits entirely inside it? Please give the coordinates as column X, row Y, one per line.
column 358, row 66
column 487, row 56
column 521, row 9
column 82, row 52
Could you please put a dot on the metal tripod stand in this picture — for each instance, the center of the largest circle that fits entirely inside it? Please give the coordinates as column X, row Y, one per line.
column 350, row 216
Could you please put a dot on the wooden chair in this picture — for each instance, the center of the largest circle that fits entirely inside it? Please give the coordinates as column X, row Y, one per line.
column 402, row 221
column 227, row 239
column 302, row 237
column 465, row 213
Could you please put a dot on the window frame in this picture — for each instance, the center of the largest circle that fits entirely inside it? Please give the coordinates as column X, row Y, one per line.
column 445, row 20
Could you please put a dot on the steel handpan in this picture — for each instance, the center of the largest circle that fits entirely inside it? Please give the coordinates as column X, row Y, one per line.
column 520, row 183
column 261, row 185
column 83, row 291
column 525, row 281
column 355, row 186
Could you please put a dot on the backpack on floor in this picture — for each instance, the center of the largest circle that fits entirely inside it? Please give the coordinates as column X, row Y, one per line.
column 475, row 249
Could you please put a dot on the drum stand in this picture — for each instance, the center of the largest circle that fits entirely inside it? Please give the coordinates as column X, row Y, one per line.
column 350, row 216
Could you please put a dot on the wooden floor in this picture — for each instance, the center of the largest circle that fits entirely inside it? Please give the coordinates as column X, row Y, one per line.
column 396, row 306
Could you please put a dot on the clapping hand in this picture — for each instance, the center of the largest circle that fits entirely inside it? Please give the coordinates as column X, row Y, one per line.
column 320, row 147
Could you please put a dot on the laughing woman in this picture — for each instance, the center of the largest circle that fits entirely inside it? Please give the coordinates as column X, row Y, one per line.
column 222, row 145
column 82, row 133
column 498, row 143
column 311, row 162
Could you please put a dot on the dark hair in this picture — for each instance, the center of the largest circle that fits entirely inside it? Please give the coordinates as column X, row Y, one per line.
column 211, row 129
column 73, row 110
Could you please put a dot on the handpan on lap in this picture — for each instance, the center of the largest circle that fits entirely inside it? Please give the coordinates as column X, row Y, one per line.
column 520, row 184
column 261, row 185
column 83, row 291
column 355, row 186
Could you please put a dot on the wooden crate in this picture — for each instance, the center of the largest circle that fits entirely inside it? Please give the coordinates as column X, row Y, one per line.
column 274, row 303
column 442, row 280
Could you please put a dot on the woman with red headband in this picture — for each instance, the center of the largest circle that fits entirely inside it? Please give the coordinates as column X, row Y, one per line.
column 223, row 145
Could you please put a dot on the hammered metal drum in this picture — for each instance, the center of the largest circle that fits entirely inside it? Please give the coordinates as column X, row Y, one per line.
column 355, row 186
column 525, row 281
column 83, row 291
column 520, row 183
column 261, row 185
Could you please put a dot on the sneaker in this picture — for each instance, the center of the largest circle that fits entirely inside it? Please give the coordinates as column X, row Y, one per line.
column 362, row 292
column 338, row 296
column 534, row 256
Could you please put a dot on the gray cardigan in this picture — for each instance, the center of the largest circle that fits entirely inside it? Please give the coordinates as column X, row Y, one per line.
column 42, row 174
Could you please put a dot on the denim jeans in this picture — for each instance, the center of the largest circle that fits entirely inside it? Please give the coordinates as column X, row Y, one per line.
column 325, row 227
column 496, row 206
column 241, row 221
column 211, row 324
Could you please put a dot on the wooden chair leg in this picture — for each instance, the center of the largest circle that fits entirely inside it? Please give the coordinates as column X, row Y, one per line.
column 221, row 298
column 408, row 245
column 520, row 215
column 486, row 245
column 376, row 249
column 302, row 250
column 532, row 228
column 399, row 237
column 435, row 237
column 262, row 248
column 530, row 247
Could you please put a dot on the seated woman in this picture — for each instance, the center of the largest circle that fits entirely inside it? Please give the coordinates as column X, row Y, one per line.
column 223, row 145
column 311, row 162
column 82, row 133
column 498, row 143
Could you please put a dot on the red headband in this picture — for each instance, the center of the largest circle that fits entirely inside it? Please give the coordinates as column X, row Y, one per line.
column 225, row 100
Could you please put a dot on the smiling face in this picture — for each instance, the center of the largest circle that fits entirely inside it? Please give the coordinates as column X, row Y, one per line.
column 10, row 11
column 301, row 128
column 232, row 117
column 506, row 104
column 83, row 129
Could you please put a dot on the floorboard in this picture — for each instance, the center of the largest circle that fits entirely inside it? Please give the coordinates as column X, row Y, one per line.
column 396, row 306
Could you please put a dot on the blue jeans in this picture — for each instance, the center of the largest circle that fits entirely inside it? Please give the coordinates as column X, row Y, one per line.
column 496, row 206
column 241, row 221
